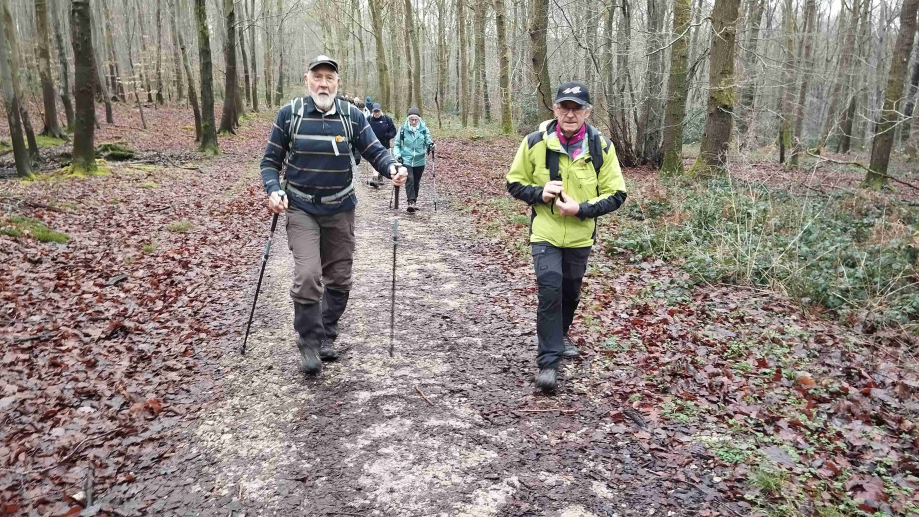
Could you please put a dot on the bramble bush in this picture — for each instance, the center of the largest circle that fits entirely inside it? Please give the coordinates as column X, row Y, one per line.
column 853, row 252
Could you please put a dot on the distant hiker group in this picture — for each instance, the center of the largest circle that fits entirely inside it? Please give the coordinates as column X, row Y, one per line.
column 566, row 171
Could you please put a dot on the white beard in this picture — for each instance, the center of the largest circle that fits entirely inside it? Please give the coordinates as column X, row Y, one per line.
column 323, row 101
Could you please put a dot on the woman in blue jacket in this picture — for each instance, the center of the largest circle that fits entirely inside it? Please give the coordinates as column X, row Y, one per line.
column 412, row 143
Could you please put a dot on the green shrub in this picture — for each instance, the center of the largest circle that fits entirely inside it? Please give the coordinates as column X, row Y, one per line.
column 846, row 252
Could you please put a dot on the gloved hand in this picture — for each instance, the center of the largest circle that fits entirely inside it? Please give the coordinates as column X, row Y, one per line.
column 431, row 149
column 399, row 159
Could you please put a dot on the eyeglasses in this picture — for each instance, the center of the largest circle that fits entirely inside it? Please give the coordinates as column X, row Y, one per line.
column 576, row 110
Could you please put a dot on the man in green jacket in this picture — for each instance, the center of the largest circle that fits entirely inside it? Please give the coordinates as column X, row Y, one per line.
column 569, row 174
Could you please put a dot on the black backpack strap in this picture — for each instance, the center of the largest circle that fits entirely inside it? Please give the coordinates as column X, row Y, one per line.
column 552, row 164
column 595, row 147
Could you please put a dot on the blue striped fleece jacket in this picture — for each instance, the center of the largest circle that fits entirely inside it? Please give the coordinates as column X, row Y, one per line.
column 314, row 167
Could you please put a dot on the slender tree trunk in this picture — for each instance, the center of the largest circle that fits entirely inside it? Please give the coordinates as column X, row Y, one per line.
column 442, row 62
column 227, row 121
column 52, row 127
column 788, row 86
column 539, row 23
column 748, row 91
column 910, row 102
column 192, row 94
column 268, row 60
column 410, row 69
column 245, row 55
column 504, row 81
column 250, row 14
column 848, row 121
column 418, row 67
column 64, row 67
column 479, row 27
column 84, row 157
column 845, row 61
column 159, row 52
column 179, row 83
column 714, row 148
column 279, row 91
column 382, row 67
column 114, row 67
column 806, row 70
column 145, row 77
column 672, row 146
column 130, row 40
column 11, row 103
column 889, row 116
column 464, row 61
column 101, row 89
column 651, row 131
column 12, row 43
column 208, row 128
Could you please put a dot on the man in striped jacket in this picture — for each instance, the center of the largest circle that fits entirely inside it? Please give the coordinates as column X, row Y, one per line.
column 317, row 136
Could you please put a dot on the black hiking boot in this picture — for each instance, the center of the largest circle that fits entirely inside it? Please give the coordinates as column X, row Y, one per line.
column 571, row 351
column 309, row 359
column 326, row 352
column 411, row 207
column 546, row 379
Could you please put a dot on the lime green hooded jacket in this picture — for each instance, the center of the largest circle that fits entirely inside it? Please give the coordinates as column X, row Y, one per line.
column 598, row 193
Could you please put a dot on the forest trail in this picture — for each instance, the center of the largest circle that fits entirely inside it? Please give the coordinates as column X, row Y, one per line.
column 441, row 428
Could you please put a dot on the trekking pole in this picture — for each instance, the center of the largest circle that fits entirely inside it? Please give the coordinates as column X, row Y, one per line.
column 434, row 175
column 392, row 306
column 258, row 287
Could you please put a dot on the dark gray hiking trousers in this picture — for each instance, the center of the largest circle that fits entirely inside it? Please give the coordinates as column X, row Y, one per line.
column 559, row 272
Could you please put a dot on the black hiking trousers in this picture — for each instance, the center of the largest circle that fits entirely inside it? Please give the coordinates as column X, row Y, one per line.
column 559, row 272
column 413, row 185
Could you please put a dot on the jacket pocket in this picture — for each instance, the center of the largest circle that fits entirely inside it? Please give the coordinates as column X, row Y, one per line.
column 587, row 181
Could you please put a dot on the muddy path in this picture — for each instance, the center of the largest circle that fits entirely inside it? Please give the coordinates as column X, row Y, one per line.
column 450, row 425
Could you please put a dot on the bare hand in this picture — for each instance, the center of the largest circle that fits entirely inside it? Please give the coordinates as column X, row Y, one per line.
column 567, row 205
column 277, row 203
column 400, row 177
column 552, row 189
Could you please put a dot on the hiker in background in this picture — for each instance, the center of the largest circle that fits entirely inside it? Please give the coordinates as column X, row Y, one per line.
column 412, row 144
column 367, row 106
column 320, row 202
column 385, row 130
column 569, row 174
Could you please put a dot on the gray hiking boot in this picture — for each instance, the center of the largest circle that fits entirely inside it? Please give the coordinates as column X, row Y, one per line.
column 309, row 359
column 546, row 379
column 571, row 351
column 326, row 352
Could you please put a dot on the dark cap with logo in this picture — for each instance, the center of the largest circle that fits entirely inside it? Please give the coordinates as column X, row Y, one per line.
column 323, row 60
column 574, row 92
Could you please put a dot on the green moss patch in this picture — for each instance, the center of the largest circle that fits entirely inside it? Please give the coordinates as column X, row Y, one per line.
column 35, row 228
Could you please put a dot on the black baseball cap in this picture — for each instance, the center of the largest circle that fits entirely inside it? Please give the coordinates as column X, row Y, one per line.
column 323, row 59
column 574, row 92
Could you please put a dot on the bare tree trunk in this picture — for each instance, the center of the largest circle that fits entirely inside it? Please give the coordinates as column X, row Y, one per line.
column 250, row 14
column 788, row 78
column 504, row 80
column 145, row 77
column 228, row 120
column 114, row 67
column 806, row 71
column 480, row 50
column 64, row 66
column 883, row 136
column 179, row 83
column 672, row 146
column 52, row 127
column 464, row 61
column 15, row 66
column 84, row 156
column 382, row 66
column 539, row 24
column 442, row 62
column 748, row 91
column 845, row 61
column 100, row 89
column 910, row 102
column 208, row 128
column 714, row 148
column 479, row 28
column 159, row 52
column 418, row 64
column 410, row 70
column 11, row 103
column 130, row 39
column 279, row 90
column 651, row 116
column 192, row 94
column 268, row 60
